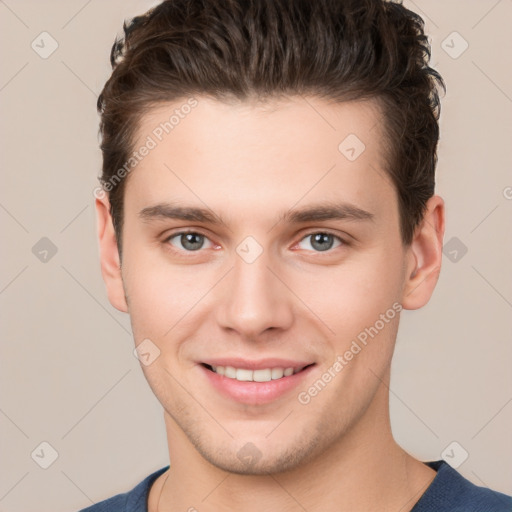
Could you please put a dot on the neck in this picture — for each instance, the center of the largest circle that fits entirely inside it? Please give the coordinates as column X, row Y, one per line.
column 363, row 470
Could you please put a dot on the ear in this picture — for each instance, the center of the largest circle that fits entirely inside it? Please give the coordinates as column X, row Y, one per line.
column 109, row 255
column 424, row 256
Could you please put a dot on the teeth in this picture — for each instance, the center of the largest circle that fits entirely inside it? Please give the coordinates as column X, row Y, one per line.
column 277, row 373
column 264, row 375
column 244, row 374
column 229, row 372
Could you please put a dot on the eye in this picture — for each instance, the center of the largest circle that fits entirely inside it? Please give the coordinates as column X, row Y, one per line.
column 321, row 242
column 188, row 241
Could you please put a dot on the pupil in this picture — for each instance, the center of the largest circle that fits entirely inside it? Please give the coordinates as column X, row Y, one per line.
column 192, row 241
column 322, row 241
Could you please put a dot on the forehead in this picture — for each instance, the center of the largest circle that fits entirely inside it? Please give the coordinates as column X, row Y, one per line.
column 240, row 156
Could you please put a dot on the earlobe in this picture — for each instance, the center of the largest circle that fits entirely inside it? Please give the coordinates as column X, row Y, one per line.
column 425, row 256
column 109, row 256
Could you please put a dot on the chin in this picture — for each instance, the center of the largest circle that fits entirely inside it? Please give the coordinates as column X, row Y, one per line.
column 260, row 458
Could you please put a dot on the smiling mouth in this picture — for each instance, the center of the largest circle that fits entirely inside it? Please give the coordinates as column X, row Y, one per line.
column 260, row 375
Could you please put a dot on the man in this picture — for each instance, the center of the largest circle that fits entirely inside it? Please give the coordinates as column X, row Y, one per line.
column 267, row 210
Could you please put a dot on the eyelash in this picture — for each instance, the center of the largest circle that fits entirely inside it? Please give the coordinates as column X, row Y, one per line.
column 325, row 232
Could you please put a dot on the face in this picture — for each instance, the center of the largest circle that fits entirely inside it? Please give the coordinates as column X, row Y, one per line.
column 263, row 272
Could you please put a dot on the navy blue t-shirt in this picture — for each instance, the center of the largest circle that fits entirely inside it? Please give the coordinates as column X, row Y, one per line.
column 448, row 492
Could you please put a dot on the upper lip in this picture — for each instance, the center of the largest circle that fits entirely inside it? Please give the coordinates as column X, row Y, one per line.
column 257, row 365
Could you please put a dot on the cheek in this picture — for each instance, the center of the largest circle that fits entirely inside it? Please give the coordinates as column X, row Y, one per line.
column 353, row 295
column 360, row 303
column 159, row 294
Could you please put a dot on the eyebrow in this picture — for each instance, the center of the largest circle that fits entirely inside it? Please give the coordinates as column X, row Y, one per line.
column 320, row 212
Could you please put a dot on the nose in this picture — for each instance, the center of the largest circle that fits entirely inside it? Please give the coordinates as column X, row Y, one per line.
column 255, row 299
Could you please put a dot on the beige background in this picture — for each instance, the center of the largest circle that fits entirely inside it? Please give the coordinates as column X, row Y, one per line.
column 68, row 374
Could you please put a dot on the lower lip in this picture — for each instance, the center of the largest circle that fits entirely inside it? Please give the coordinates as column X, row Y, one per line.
column 255, row 393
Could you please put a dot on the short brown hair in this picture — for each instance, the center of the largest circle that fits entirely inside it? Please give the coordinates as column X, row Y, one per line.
column 334, row 49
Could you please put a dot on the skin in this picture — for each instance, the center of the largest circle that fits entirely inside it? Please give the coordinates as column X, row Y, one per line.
column 249, row 163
